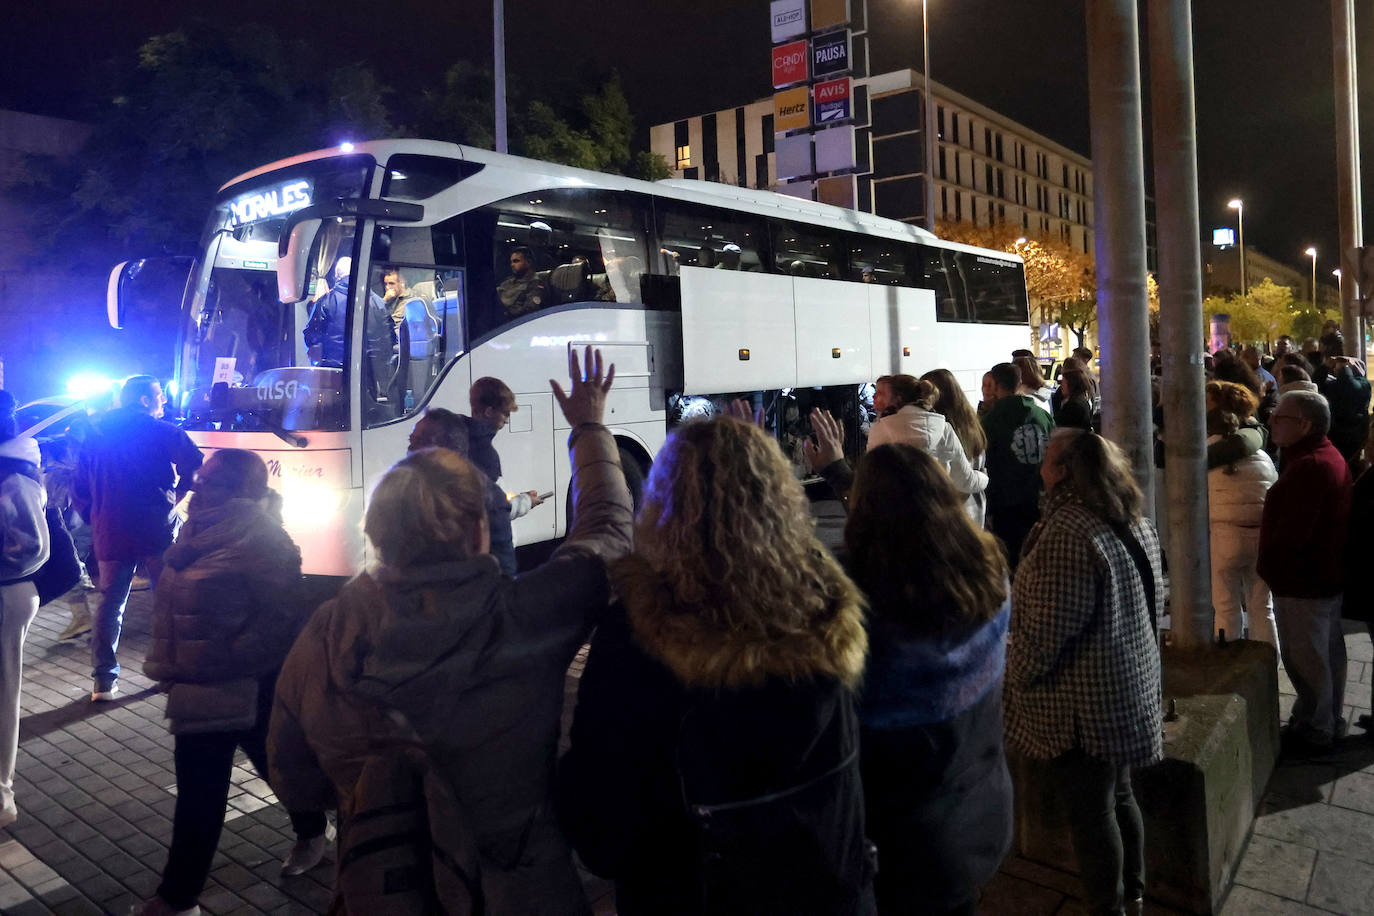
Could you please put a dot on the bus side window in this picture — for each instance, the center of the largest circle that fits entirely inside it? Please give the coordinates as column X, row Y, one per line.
column 692, row 235
column 880, row 261
column 809, row 251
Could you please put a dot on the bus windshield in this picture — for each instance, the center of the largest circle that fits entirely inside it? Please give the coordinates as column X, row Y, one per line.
column 282, row 366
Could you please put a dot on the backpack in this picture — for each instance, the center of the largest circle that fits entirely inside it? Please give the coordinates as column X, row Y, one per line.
column 797, row 850
column 404, row 847
column 62, row 570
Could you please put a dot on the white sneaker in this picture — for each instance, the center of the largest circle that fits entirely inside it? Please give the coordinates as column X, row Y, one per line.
column 8, row 815
column 306, row 854
column 104, row 696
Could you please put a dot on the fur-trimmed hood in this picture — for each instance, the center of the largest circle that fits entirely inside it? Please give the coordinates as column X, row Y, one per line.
column 702, row 652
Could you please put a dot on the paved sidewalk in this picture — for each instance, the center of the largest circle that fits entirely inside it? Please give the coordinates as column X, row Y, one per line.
column 95, row 791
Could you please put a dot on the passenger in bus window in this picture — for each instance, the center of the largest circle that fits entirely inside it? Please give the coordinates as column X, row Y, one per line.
column 523, row 291
column 867, row 275
column 729, row 257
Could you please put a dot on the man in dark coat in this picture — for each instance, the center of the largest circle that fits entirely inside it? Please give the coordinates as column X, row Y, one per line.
column 130, row 477
column 1301, row 555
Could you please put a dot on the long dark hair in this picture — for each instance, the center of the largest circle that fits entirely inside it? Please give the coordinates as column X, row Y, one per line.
column 923, row 564
column 951, row 404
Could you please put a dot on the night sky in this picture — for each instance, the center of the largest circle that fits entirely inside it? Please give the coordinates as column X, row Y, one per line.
column 1264, row 84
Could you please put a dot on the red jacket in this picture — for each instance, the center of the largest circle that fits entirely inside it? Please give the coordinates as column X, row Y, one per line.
column 1306, row 516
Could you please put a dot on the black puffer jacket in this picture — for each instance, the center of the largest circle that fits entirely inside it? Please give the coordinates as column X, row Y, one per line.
column 228, row 604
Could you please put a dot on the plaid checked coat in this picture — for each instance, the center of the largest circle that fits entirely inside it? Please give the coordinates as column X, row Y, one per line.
column 1082, row 658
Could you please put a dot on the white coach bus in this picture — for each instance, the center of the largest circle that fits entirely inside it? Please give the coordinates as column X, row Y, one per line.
column 497, row 265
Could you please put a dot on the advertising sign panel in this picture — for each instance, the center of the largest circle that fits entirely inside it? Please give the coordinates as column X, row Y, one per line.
column 1223, row 237
column 793, row 156
column 839, row 191
column 829, row 54
column 789, row 64
column 832, row 101
column 791, row 109
column 835, row 149
column 789, row 19
column 826, row 14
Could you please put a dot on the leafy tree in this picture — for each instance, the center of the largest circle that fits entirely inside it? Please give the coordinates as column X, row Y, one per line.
column 196, row 107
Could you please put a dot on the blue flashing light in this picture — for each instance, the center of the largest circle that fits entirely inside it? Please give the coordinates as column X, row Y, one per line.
column 346, row 146
column 89, row 384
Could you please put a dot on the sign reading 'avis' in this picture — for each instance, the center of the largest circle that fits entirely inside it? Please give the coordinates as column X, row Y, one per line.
column 832, row 101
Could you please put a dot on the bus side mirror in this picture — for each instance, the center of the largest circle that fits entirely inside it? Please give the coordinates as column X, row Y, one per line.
column 293, row 264
column 114, row 303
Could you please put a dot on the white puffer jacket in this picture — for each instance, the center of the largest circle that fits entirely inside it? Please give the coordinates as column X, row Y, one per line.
column 932, row 434
column 1236, row 491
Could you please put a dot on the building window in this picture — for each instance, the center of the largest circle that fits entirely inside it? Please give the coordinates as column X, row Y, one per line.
column 958, row 207
column 944, row 201
column 987, row 140
column 1001, row 213
column 943, row 162
column 1066, row 176
column 1001, row 186
column 954, row 127
column 958, row 169
column 940, row 116
column 988, row 184
column 999, row 147
column 991, row 220
column 768, row 138
column 684, row 157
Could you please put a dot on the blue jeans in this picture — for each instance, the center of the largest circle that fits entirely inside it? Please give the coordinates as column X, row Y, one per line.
column 116, row 576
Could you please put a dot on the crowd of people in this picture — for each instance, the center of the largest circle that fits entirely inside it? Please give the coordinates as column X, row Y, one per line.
column 763, row 725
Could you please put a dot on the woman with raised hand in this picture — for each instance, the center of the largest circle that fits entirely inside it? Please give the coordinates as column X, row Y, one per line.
column 1082, row 683
column 714, row 761
column 434, row 670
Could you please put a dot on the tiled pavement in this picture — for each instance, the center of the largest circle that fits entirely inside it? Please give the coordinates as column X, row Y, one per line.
column 95, row 790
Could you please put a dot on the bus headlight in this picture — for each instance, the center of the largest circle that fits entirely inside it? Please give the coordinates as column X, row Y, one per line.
column 307, row 504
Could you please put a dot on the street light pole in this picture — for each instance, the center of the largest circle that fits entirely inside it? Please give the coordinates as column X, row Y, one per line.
column 499, row 69
column 1239, row 207
column 932, row 141
column 1312, row 253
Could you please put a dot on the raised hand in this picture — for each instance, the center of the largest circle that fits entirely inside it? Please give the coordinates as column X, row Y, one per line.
column 741, row 410
column 587, row 401
column 826, row 446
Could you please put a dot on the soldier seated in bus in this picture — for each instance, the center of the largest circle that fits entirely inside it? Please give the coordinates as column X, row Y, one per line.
column 620, row 282
column 523, row 291
column 398, row 293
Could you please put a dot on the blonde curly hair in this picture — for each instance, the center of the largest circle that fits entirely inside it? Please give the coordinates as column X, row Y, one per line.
column 1229, row 396
column 728, row 531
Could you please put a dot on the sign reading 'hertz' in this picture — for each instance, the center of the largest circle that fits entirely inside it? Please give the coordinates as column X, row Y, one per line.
column 791, row 109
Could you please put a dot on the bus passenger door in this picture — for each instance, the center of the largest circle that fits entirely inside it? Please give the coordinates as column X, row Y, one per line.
column 525, row 446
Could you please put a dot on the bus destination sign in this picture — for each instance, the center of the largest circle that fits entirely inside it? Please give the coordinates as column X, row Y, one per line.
column 280, row 201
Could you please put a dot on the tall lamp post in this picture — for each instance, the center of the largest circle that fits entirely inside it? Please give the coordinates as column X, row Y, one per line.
column 1312, row 253
column 932, row 141
column 1239, row 207
column 499, row 70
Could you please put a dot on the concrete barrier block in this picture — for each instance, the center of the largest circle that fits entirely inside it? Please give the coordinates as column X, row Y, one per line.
column 1199, row 803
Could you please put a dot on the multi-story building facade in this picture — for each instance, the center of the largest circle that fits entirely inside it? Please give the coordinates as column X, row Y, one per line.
column 1221, row 276
column 989, row 169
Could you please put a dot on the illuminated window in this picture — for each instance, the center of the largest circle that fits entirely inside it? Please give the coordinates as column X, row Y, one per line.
column 684, row 157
